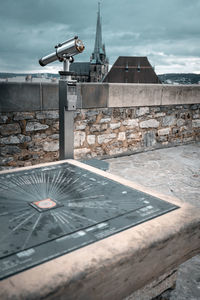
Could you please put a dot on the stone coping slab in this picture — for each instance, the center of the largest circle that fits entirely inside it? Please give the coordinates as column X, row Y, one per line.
column 44, row 96
column 116, row 266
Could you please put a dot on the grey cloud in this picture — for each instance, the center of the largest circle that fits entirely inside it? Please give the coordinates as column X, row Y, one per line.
column 31, row 28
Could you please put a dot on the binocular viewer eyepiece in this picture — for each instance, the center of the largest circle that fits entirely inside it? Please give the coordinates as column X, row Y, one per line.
column 65, row 50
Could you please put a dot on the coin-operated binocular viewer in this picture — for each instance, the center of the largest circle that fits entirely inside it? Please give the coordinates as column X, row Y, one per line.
column 65, row 52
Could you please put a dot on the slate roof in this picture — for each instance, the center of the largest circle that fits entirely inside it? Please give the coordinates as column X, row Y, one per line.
column 80, row 68
column 132, row 69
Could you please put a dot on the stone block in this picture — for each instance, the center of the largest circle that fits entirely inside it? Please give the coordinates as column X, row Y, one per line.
column 80, row 125
column 150, row 139
column 80, row 153
column 3, row 119
column 196, row 116
column 115, row 125
column 160, row 114
column 152, row 123
column 105, row 120
column 79, row 139
column 121, row 136
column 141, row 111
column 98, row 128
column 180, row 122
column 164, row 131
column 13, row 139
column 19, row 116
column 116, row 151
column 51, row 146
column 9, row 150
column 196, row 123
column 35, row 126
column 9, row 129
column 91, row 139
column 169, row 120
column 130, row 123
column 54, row 136
column 134, row 136
column 106, row 138
column 53, row 114
column 4, row 161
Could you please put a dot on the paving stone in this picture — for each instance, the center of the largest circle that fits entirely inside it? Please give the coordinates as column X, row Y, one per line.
column 174, row 172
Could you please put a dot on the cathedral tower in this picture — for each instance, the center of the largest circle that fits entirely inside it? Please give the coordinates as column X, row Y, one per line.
column 98, row 61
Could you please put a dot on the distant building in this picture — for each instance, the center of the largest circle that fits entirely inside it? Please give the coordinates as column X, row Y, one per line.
column 97, row 68
column 132, row 69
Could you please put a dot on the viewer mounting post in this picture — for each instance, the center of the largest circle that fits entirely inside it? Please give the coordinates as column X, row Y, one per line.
column 67, row 93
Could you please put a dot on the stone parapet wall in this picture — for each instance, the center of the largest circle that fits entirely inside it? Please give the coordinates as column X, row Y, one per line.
column 28, row 138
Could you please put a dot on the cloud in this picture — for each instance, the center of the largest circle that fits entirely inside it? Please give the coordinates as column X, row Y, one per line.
column 30, row 29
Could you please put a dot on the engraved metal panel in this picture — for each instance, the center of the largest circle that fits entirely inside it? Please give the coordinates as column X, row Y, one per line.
column 49, row 211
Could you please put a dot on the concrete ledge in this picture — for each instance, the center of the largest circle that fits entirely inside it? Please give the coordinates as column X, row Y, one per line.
column 20, row 97
column 127, row 95
column 94, row 95
column 117, row 266
column 44, row 96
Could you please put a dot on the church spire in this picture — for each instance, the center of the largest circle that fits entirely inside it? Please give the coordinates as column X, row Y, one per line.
column 99, row 52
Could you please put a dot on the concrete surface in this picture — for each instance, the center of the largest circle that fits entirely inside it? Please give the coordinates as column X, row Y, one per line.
column 44, row 96
column 174, row 172
column 116, row 266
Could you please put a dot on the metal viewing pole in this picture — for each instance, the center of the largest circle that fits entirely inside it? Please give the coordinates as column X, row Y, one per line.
column 64, row 52
column 67, row 106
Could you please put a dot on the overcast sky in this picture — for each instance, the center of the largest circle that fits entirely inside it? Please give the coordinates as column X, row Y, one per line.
column 166, row 31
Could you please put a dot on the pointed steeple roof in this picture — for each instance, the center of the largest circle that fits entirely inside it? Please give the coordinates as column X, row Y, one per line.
column 98, row 46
